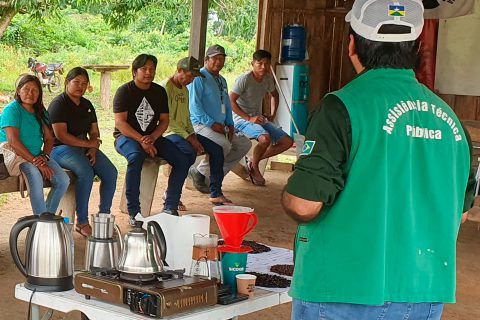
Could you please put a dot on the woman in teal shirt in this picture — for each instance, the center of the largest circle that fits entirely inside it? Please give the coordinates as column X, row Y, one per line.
column 25, row 126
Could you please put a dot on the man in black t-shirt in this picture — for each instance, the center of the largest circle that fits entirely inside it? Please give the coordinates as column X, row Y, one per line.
column 141, row 117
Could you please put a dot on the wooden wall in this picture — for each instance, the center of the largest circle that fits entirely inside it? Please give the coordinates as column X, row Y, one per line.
column 327, row 42
column 327, row 39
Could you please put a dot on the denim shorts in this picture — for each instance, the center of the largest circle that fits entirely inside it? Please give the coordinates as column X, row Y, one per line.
column 303, row 310
column 253, row 130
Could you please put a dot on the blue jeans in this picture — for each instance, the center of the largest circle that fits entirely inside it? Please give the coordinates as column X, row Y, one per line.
column 59, row 181
column 215, row 154
column 303, row 310
column 254, row 130
column 178, row 158
column 75, row 160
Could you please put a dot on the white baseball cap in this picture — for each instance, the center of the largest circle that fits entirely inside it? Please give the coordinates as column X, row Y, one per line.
column 368, row 16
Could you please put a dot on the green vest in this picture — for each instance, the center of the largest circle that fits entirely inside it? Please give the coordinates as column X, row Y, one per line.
column 391, row 233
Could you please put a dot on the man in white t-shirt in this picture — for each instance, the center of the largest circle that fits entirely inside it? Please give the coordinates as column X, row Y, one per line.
column 246, row 100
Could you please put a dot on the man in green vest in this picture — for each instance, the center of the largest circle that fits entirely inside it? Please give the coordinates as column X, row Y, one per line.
column 381, row 185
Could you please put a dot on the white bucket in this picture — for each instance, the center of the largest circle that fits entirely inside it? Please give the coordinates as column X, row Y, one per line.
column 299, row 141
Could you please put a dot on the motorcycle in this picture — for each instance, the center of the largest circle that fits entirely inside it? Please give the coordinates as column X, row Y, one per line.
column 48, row 74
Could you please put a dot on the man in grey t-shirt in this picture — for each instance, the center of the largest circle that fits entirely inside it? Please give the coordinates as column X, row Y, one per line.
column 246, row 100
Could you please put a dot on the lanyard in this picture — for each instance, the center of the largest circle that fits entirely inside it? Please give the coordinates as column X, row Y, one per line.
column 220, row 87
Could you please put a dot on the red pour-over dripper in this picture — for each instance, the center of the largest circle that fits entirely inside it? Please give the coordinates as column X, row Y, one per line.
column 234, row 223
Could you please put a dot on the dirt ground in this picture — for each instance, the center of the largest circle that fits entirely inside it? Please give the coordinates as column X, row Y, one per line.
column 274, row 228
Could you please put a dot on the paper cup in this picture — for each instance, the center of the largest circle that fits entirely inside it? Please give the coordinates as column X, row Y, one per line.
column 246, row 283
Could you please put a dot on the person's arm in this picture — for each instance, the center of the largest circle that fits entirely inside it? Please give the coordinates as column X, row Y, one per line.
column 125, row 128
column 299, row 209
column 161, row 127
column 61, row 132
column 274, row 101
column 13, row 139
column 197, row 109
column 470, row 189
column 319, row 177
column 236, row 108
column 48, row 139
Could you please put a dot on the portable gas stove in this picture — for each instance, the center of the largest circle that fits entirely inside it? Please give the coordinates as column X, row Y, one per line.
column 169, row 293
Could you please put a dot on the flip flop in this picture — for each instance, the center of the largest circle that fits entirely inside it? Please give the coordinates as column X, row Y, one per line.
column 84, row 229
column 250, row 173
column 221, row 201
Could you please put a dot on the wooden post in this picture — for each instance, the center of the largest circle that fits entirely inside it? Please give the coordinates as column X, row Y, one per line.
column 198, row 29
column 105, row 83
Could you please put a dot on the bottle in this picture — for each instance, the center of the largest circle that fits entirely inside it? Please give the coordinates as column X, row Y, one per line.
column 69, row 226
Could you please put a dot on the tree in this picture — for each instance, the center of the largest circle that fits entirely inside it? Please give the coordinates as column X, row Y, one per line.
column 38, row 9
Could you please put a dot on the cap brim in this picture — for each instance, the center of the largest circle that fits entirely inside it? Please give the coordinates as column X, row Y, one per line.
column 216, row 54
column 348, row 17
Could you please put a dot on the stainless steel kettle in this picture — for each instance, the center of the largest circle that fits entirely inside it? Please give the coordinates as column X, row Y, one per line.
column 143, row 251
column 48, row 252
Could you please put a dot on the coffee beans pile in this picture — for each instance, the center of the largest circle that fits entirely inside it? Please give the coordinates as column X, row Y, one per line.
column 257, row 247
column 283, row 269
column 270, row 280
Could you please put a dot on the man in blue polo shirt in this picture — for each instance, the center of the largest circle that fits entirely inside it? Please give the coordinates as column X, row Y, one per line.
column 211, row 116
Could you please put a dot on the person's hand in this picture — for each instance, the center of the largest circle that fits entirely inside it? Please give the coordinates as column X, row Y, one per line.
column 464, row 217
column 219, row 128
column 46, row 171
column 148, row 139
column 91, row 155
column 39, row 161
column 271, row 118
column 149, row 149
column 257, row 119
column 94, row 143
column 231, row 131
column 197, row 146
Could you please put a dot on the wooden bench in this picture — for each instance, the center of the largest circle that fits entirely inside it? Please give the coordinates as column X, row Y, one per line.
column 148, row 182
column 67, row 204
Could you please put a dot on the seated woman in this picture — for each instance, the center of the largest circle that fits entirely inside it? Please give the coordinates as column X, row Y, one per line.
column 77, row 142
column 25, row 126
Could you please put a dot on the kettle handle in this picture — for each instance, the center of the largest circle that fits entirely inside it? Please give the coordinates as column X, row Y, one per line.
column 22, row 223
column 119, row 236
column 159, row 239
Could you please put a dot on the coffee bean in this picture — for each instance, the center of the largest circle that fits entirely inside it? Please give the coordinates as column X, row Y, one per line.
column 283, row 269
column 270, row 280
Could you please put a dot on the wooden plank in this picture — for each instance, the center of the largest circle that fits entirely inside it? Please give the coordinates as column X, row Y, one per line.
column 465, row 107
column 198, row 29
column 282, row 166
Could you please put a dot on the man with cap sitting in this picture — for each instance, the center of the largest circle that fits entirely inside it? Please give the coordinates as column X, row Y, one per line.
column 180, row 130
column 380, row 193
column 212, row 119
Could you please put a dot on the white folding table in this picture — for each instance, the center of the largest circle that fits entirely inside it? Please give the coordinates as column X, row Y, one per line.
column 98, row 310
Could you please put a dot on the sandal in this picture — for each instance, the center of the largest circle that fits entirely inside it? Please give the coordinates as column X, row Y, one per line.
column 255, row 181
column 84, row 229
column 180, row 207
column 221, row 201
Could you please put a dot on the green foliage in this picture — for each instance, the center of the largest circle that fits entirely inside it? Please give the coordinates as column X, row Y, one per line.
column 237, row 18
column 78, row 34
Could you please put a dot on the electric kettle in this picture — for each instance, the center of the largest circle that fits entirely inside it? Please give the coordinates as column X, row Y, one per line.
column 48, row 262
column 143, row 251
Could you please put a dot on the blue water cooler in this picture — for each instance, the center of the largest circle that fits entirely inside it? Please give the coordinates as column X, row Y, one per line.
column 294, row 81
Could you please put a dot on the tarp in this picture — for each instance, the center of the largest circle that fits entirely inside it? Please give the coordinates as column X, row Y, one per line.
column 444, row 9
